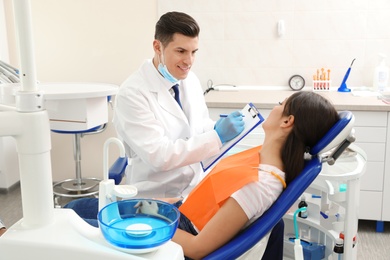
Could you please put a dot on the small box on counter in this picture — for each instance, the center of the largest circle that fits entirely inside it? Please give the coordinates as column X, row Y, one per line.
column 321, row 80
column 322, row 85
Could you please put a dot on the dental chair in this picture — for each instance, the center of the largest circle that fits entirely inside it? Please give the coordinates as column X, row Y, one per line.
column 338, row 138
column 117, row 170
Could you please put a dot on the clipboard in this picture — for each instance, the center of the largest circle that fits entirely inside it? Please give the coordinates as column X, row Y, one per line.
column 252, row 119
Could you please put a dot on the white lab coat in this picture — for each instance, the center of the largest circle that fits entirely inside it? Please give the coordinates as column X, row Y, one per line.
column 163, row 142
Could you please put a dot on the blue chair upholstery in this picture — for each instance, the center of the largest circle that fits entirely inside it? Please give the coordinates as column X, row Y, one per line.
column 117, row 170
column 255, row 232
column 249, row 237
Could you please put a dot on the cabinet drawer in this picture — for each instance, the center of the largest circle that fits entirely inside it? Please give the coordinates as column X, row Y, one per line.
column 370, row 206
column 370, row 134
column 372, row 179
column 385, row 209
column 375, row 151
column 366, row 118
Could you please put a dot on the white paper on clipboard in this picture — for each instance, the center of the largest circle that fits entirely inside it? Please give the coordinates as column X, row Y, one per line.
column 252, row 119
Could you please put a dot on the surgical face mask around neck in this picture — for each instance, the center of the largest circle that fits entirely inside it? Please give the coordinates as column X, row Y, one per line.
column 164, row 71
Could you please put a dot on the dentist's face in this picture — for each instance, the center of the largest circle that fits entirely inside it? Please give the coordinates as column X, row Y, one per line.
column 178, row 55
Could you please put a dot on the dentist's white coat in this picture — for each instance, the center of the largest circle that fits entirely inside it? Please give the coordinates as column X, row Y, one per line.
column 164, row 142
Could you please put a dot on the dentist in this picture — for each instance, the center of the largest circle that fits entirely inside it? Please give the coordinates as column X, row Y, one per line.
column 168, row 131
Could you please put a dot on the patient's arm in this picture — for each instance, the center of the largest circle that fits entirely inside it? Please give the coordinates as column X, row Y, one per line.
column 224, row 225
column 170, row 200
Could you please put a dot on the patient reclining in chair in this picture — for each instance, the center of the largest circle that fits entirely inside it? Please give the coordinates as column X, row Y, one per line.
column 243, row 186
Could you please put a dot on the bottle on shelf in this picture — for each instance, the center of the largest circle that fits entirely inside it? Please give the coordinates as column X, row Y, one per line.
column 339, row 247
column 301, row 204
column 381, row 74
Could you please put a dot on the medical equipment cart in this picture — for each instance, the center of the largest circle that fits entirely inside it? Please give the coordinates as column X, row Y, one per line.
column 333, row 202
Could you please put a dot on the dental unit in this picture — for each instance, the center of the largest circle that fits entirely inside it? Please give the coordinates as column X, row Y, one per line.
column 44, row 231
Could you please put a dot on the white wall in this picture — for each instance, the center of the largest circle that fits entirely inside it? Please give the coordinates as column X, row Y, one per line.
column 239, row 43
column 86, row 41
column 106, row 40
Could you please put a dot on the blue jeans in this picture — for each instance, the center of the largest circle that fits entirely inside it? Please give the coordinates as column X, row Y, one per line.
column 88, row 208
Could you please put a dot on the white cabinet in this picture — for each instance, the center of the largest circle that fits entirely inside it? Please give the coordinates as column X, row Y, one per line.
column 371, row 133
column 386, row 180
column 332, row 212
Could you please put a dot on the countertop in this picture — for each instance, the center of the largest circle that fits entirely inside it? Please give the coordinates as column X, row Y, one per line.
column 267, row 99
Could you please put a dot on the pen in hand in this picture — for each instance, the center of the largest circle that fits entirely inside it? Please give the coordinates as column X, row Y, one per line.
column 225, row 115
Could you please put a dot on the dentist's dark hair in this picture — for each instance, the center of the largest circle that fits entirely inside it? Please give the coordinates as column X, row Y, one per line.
column 175, row 22
column 313, row 115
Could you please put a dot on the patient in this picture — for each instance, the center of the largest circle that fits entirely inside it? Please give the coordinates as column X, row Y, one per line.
column 243, row 186
column 253, row 180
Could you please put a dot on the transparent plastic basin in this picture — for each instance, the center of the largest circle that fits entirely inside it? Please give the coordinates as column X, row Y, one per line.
column 138, row 225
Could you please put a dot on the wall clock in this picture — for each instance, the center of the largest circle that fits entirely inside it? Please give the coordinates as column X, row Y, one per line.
column 296, row 82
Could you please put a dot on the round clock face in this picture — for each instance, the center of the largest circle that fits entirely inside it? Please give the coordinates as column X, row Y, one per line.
column 296, row 82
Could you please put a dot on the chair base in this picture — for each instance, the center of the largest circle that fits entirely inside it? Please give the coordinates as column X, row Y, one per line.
column 72, row 188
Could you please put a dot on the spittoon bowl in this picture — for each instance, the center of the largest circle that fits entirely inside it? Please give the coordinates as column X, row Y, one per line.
column 138, row 225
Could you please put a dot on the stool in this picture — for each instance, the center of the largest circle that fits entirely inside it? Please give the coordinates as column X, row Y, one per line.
column 79, row 186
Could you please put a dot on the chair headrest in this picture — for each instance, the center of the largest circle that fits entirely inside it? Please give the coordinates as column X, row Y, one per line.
column 336, row 135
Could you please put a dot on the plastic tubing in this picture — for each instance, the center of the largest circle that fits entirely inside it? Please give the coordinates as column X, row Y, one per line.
column 296, row 222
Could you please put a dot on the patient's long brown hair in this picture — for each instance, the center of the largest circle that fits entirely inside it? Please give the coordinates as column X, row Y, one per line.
column 314, row 115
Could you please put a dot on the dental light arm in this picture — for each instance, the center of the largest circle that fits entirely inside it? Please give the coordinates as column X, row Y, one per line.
column 29, row 126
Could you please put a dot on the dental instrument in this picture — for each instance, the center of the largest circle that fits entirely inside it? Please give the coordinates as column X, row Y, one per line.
column 219, row 87
column 226, row 115
column 343, row 87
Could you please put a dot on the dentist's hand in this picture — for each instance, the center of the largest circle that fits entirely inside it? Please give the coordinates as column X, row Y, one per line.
column 229, row 127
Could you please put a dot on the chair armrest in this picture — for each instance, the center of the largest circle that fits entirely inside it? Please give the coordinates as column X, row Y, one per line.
column 117, row 170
